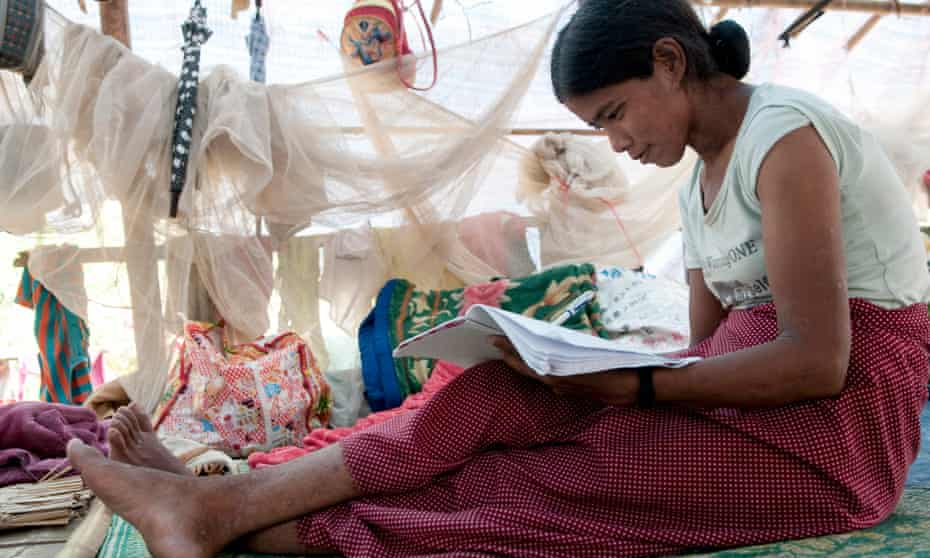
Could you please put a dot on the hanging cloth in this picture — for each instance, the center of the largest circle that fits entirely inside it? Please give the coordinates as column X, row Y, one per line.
column 257, row 42
column 62, row 338
column 97, row 373
column 196, row 33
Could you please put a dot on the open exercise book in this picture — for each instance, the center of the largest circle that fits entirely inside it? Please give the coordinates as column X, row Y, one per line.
column 546, row 348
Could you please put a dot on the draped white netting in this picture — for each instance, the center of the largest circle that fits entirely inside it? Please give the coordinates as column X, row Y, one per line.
column 415, row 185
column 94, row 128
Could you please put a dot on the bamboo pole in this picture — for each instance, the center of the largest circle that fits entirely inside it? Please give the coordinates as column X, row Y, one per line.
column 862, row 6
column 436, row 11
column 356, row 130
column 863, row 31
column 114, row 20
column 544, row 131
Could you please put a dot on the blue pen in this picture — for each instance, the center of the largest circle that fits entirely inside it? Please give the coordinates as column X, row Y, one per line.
column 573, row 308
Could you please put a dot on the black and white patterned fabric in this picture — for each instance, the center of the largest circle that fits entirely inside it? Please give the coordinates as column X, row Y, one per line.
column 196, row 33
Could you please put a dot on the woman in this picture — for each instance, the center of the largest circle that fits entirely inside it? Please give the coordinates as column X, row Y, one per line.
column 808, row 304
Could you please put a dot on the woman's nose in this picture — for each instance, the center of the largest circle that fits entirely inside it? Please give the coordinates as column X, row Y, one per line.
column 619, row 141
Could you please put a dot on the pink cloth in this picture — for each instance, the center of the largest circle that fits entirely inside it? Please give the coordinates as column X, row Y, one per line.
column 496, row 465
column 97, row 376
column 23, row 374
column 277, row 456
column 499, row 240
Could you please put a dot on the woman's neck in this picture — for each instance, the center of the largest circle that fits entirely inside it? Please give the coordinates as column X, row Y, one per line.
column 719, row 107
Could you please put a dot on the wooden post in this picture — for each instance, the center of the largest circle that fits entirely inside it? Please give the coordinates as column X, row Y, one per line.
column 863, row 31
column 114, row 20
column 142, row 269
column 436, row 12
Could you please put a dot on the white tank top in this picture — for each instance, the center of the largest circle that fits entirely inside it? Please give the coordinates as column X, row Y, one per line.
column 885, row 256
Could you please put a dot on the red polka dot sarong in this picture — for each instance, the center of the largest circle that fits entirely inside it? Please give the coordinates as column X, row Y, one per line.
column 496, row 465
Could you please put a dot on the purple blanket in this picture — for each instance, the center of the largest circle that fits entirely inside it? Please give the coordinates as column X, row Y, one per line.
column 33, row 437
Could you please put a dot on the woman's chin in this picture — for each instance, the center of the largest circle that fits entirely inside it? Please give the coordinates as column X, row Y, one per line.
column 663, row 160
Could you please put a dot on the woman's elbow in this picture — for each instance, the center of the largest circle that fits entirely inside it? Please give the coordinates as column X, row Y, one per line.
column 830, row 370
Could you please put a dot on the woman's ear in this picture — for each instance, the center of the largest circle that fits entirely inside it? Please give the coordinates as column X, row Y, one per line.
column 669, row 60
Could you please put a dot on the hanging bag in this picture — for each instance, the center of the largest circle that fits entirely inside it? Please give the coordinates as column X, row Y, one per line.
column 246, row 398
column 374, row 31
column 22, row 25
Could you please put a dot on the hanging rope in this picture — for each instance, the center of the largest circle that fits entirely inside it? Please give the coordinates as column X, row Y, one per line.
column 564, row 188
column 196, row 33
column 399, row 9
column 257, row 42
column 629, row 240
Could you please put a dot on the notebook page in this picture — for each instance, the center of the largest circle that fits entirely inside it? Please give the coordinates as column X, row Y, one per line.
column 551, row 349
column 460, row 341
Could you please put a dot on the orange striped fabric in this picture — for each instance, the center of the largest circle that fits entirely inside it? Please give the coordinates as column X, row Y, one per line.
column 63, row 339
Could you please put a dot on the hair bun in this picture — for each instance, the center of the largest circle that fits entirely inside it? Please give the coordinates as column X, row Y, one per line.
column 729, row 45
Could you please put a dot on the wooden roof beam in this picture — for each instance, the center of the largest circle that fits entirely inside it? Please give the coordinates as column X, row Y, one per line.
column 863, row 31
column 114, row 20
column 862, row 6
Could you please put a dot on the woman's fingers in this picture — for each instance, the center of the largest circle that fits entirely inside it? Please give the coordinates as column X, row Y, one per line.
column 510, row 356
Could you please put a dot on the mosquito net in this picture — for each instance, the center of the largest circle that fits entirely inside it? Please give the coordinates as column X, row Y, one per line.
column 383, row 181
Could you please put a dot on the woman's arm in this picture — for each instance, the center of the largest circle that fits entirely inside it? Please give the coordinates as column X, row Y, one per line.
column 704, row 310
column 798, row 187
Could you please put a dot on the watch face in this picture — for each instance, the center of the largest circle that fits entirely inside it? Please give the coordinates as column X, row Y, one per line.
column 369, row 39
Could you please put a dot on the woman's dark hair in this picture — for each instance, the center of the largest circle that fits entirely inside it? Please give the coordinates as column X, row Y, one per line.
column 610, row 41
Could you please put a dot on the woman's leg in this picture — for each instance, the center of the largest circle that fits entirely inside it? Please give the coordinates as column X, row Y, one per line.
column 190, row 517
column 280, row 539
column 495, row 467
column 216, row 511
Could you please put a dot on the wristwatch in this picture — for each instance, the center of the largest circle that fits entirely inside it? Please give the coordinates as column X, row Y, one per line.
column 646, row 396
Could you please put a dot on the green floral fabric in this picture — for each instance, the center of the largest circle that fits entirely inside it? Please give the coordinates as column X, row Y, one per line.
column 541, row 295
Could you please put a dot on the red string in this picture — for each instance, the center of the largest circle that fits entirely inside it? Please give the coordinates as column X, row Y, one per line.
column 613, row 210
column 402, row 36
column 564, row 188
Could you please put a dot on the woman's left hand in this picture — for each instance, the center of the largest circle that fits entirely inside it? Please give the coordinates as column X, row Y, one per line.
column 613, row 387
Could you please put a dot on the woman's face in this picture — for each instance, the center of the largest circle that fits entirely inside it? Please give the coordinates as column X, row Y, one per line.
column 646, row 118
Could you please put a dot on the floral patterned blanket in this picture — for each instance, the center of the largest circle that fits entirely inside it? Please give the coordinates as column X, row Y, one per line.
column 402, row 311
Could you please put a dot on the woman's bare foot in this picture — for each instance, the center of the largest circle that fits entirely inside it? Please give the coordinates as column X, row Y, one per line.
column 133, row 441
column 170, row 511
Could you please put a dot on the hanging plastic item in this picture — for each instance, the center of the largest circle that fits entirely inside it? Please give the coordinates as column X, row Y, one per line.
column 374, row 31
column 196, row 33
column 21, row 35
column 257, row 42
